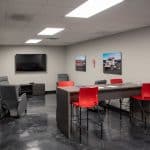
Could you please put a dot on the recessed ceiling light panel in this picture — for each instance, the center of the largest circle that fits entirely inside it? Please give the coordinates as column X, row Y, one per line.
column 92, row 7
column 50, row 31
column 33, row 41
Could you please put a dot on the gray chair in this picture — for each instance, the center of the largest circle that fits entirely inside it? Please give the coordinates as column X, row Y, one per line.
column 38, row 89
column 16, row 105
column 4, row 80
column 98, row 82
column 62, row 77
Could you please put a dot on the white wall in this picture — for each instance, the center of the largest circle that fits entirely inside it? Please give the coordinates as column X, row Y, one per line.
column 135, row 48
column 134, row 45
column 55, row 64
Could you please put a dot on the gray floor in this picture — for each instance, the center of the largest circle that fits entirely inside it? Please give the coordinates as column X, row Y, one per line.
column 37, row 131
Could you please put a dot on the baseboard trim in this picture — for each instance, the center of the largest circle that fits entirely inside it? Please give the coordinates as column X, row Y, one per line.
column 50, row 92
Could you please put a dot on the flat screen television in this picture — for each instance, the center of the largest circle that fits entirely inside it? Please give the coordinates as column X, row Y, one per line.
column 30, row 62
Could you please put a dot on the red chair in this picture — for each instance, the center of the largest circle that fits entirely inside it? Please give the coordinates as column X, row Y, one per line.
column 88, row 98
column 145, row 96
column 118, row 81
column 65, row 83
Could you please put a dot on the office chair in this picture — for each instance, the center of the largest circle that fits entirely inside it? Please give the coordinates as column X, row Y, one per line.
column 98, row 82
column 16, row 105
column 143, row 97
column 62, row 77
column 88, row 98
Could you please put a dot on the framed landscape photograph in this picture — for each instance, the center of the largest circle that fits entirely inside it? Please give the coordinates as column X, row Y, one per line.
column 112, row 63
column 80, row 63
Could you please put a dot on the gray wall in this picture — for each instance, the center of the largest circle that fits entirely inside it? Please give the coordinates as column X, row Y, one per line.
column 55, row 64
column 135, row 48
column 134, row 45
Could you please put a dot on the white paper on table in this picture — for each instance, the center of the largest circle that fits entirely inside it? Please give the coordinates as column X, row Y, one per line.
column 111, row 86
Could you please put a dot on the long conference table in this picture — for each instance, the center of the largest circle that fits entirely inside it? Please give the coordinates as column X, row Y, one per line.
column 106, row 92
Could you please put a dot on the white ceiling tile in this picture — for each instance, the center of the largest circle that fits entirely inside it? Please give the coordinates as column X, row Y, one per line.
column 23, row 19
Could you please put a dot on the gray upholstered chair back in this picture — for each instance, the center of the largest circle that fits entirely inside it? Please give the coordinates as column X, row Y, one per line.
column 4, row 80
column 10, row 100
column 62, row 77
column 9, row 95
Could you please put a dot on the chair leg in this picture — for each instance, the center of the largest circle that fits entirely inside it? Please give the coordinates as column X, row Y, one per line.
column 101, row 130
column 109, row 101
column 144, row 115
column 145, row 123
column 71, row 119
column 87, row 119
column 120, row 109
column 80, row 124
column 100, row 123
column 131, row 109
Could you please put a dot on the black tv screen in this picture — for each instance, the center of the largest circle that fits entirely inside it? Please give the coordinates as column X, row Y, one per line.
column 30, row 62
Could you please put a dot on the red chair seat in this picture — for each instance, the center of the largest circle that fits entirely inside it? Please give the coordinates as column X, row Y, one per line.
column 140, row 98
column 88, row 97
column 85, row 104
column 145, row 93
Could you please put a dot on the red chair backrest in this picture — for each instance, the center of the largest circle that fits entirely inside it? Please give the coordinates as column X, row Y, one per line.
column 146, row 90
column 88, row 95
column 65, row 83
column 116, row 81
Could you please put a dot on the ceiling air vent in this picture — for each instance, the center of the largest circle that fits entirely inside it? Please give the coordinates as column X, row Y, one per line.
column 52, row 38
column 21, row 17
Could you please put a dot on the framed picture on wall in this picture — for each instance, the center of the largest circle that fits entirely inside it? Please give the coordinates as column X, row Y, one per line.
column 80, row 63
column 112, row 63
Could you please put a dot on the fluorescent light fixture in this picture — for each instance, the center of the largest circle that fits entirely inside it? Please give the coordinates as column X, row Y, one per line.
column 50, row 31
column 92, row 7
column 33, row 41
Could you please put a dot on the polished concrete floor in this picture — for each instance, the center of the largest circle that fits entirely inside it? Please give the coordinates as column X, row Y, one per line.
column 38, row 131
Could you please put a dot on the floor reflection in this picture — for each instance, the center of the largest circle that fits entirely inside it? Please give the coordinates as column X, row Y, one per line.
column 38, row 131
